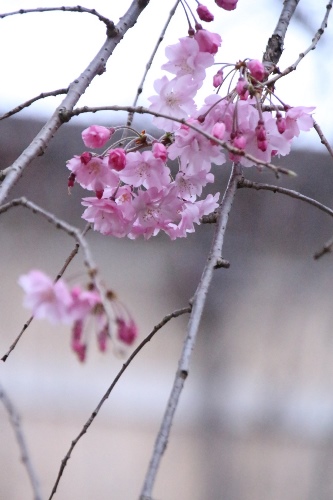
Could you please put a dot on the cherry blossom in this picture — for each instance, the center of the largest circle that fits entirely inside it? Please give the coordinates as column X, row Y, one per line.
column 96, row 136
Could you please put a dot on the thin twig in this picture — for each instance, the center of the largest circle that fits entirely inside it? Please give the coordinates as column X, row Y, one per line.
column 25, row 456
column 275, row 43
column 94, row 414
column 323, row 139
column 78, row 8
column 76, row 89
column 327, row 248
column 313, row 45
column 149, row 63
column 192, row 330
column 26, row 104
column 289, row 192
column 59, row 275
column 141, row 110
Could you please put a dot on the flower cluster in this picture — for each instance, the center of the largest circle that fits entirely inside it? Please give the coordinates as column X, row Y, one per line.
column 58, row 303
column 135, row 193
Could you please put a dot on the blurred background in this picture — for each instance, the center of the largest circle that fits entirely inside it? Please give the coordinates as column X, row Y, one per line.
column 256, row 416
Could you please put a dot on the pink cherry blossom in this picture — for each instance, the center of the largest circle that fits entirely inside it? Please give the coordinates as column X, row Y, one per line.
column 96, row 136
column 186, row 58
column 143, row 169
column 175, row 99
column 45, row 298
column 92, row 172
column 297, row 119
column 190, row 186
column 160, row 151
column 106, row 216
column 208, row 42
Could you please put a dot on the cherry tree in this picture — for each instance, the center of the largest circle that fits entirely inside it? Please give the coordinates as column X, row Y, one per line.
column 228, row 114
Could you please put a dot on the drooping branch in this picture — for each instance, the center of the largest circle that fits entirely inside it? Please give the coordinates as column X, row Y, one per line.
column 198, row 303
column 312, row 46
column 327, row 248
column 274, row 47
column 76, row 89
column 109, row 24
column 25, row 456
column 141, row 110
column 323, row 139
column 94, row 414
column 28, row 103
column 244, row 183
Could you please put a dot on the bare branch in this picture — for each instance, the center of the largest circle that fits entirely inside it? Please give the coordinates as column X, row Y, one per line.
column 192, row 330
column 289, row 192
column 149, row 63
column 141, row 110
column 323, row 139
column 25, row 456
column 76, row 89
column 26, row 104
column 109, row 24
column 327, row 248
column 313, row 45
column 94, row 414
column 274, row 47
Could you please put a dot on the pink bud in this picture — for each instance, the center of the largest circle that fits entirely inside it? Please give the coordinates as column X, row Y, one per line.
column 218, row 130
column 127, row 331
column 227, row 4
column 239, row 142
column 281, row 123
column 242, row 89
column 85, row 157
column 102, row 338
column 256, row 69
column 260, row 131
column 160, row 151
column 218, row 78
column 96, row 136
column 71, row 180
column 204, row 13
column 262, row 145
column 117, row 159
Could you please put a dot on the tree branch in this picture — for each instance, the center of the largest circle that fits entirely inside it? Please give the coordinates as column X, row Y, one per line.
column 109, row 24
column 313, row 45
column 76, row 89
column 94, row 414
column 141, row 110
column 289, row 192
column 26, row 104
column 192, row 331
column 25, row 456
column 274, row 47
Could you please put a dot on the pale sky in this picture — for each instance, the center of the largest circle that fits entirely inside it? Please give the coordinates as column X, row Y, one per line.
column 45, row 51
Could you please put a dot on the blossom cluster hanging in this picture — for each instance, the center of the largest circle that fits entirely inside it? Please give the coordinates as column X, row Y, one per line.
column 134, row 191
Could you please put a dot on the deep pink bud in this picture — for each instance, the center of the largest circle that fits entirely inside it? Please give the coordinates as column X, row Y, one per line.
column 102, row 338
column 227, row 4
column 281, row 123
column 204, row 13
column 239, row 142
column 262, row 145
column 76, row 343
column 85, row 157
column 260, row 131
column 242, row 89
column 71, row 180
column 127, row 331
column 218, row 78
column 117, row 159
column 256, row 69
